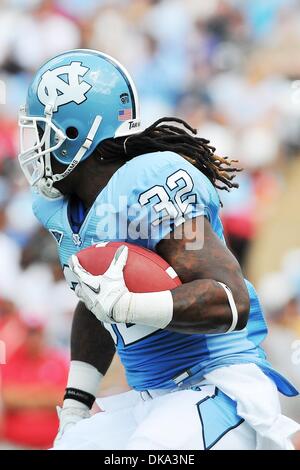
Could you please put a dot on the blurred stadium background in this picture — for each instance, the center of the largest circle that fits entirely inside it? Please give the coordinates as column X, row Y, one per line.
column 231, row 69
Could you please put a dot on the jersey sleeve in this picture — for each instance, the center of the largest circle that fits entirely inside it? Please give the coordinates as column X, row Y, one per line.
column 168, row 190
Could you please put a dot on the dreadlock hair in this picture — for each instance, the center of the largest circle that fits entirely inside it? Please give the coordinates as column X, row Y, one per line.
column 182, row 140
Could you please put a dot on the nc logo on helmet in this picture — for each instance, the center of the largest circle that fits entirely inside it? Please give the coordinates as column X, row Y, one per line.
column 63, row 85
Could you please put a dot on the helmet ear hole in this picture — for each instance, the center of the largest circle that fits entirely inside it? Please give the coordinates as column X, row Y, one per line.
column 72, row 133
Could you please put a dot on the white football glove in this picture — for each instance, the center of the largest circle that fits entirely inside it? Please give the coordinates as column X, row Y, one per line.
column 68, row 417
column 101, row 293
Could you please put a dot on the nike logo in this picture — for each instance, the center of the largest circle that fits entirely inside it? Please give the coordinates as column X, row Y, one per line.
column 94, row 289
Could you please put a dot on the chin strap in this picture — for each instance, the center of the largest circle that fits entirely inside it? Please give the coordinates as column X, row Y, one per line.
column 45, row 187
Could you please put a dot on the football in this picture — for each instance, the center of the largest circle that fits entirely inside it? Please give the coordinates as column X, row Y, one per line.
column 145, row 271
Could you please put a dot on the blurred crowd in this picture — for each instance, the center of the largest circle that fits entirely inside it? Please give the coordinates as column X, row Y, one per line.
column 228, row 67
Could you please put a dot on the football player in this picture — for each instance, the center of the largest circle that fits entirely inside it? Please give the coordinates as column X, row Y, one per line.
column 192, row 356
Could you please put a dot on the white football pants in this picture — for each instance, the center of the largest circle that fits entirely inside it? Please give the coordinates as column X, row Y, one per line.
column 201, row 418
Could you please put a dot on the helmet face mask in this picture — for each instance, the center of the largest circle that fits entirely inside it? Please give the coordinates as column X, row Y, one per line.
column 75, row 101
column 34, row 145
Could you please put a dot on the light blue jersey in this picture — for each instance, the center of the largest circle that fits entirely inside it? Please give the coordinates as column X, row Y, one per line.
column 142, row 203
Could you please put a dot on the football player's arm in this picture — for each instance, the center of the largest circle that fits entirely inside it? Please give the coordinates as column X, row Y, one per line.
column 212, row 299
column 92, row 351
column 201, row 304
column 90, row 341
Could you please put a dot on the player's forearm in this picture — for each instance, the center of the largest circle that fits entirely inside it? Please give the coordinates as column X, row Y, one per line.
column 202, row 306
column 92, row 350
column 90, row 341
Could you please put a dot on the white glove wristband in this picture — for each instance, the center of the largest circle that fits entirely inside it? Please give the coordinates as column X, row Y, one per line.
column 85, row 377
column 154, row 309
column 82, row 377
